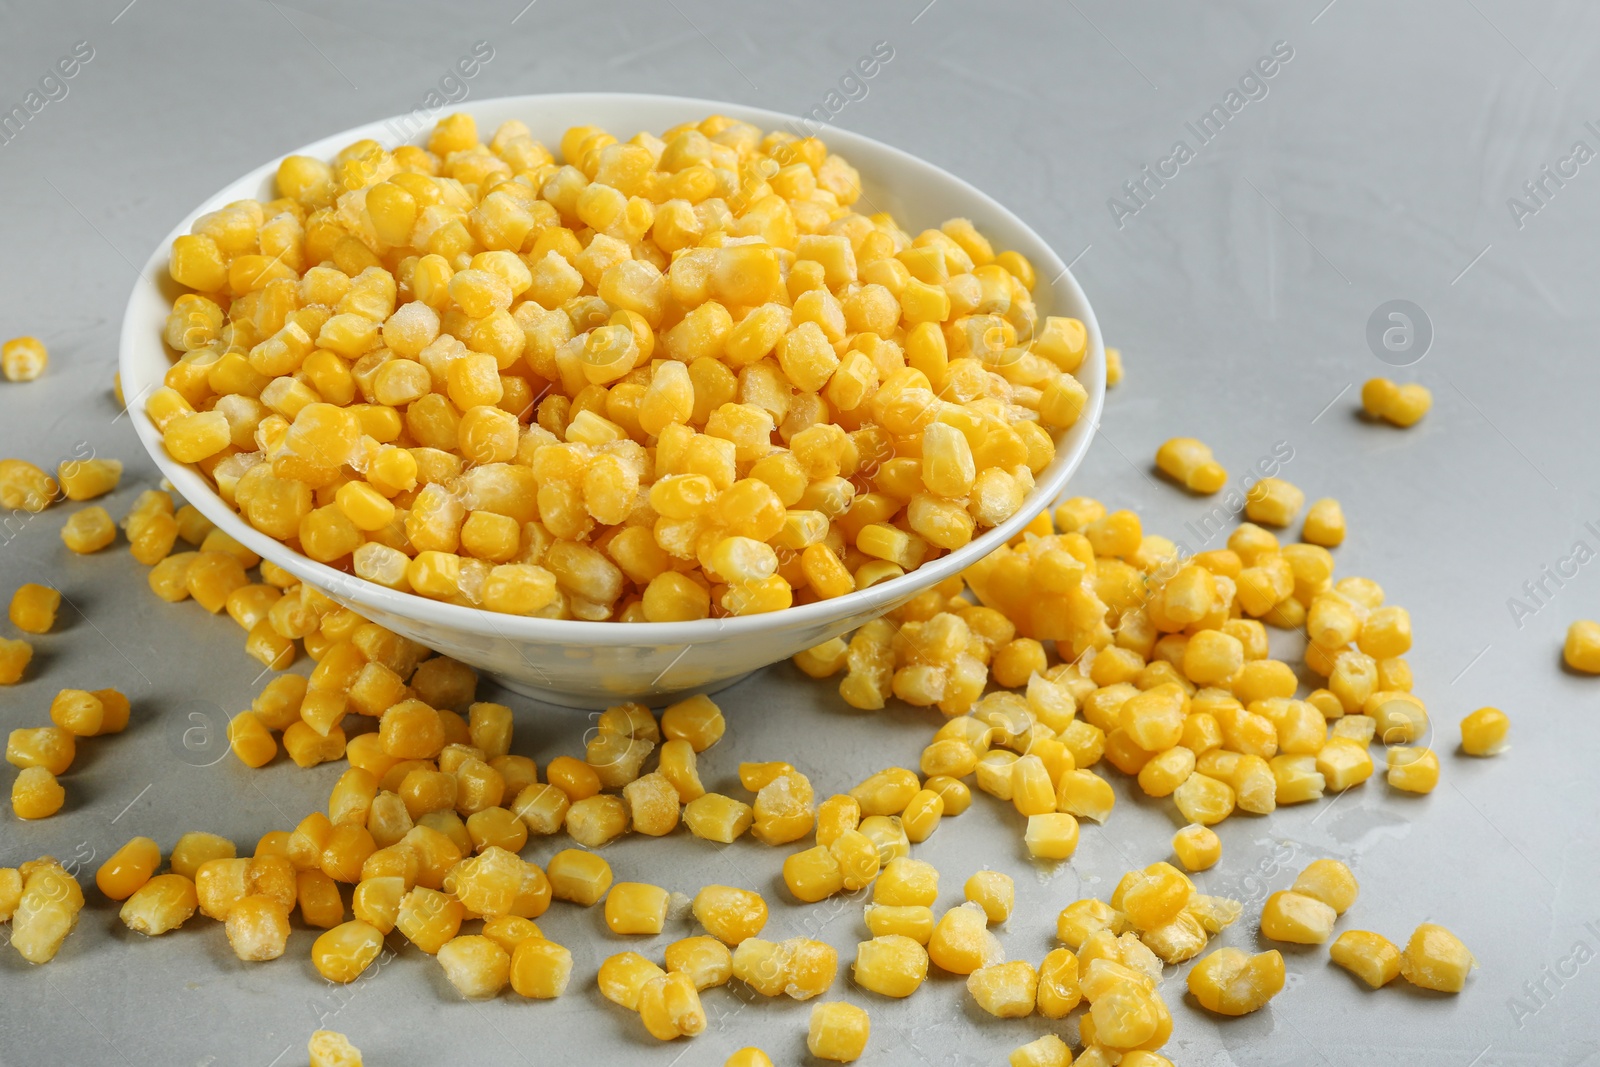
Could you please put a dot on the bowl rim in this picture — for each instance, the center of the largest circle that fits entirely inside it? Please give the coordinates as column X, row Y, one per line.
column 481, row 622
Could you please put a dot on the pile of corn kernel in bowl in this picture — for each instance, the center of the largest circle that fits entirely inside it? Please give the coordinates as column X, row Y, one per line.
column 674, row 378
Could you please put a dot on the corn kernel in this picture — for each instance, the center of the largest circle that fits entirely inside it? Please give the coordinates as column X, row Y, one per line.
column 1007, row 990
column 1370, row 957
column 838, row 1032
column 22, row 359
column 1232, row 982
column 540, row 969
column 1582, row 648
column 1197, row 847
column 1436, row 959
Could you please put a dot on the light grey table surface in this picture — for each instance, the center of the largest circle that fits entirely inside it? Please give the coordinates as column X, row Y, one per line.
column 1377, row 166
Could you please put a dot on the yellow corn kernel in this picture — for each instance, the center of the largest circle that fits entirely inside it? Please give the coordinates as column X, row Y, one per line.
column 581, row 877
column 128, row 868
column 1232, row 982
column 85, row 479
column 669, row 1007
column 88, row 530
column 892, row 965
column 1403, row 405
column 1274, row 502
column 653, row 804
column 258, row 928
column 540, row 969
column 1371, row 957
column 429, row 918
column 46, row 910
column 329, row 1048
column 813, row 874
column 1058, row 988
column 1081, row 919
column 623, row 977
column 1436, row 959
column 838, row 1032
column 748, row 1057
column 1413, row 770
column 1197, row 847
column 994, row 892
column 705, row 960
column 1483, row 733
column 22, row 359
column 696, row 720
column 636, row 908
column 1582, row 648
column 475, row 965
column 33, row 608
column 1085, row 795
column 24, row 487
column 344, row 952
column 1047, row 1051
column 1330, row 882
column 1190, row 463
column 1296, row 918
column 1052, row 836
column 1007, row 990
column 961, row 942
column 913, row 921
column 1324, row 523
column 35, row 794
column 161, row 904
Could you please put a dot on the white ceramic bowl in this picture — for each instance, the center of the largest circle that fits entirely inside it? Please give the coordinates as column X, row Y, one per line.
column 593, row 664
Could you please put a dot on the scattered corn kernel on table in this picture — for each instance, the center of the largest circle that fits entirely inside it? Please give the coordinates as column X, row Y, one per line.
column 1318, row 228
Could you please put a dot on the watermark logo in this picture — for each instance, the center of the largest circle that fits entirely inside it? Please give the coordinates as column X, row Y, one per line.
column 198, row 733
column 52, row 86
column 1399, row 332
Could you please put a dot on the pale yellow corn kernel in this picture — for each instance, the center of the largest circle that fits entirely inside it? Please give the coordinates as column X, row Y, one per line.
column 343, row 953
column 578, row 876
column 714, row 817
column 475, row 965
column 85, row 479
column 1582, row 649
column 22, row 359
column 258, row 928
column 636, row 908
column 1434, row 958
column 653, row 804
column 922, row 815
column 24, row 487
column 1413, row 770
column 1371, row 957
column 1197, row 847
column 1402, row 405
column 838, row 1032
column 705, row 960
column 961, row 942
column 1274, row 502
column 1386, row 633
column 913, row 921
column 1296, row 918
column 814, row 874
column 623, row 977
column 906, row 882
column 1051, row 836
column 1046, row 1051
column 729, row 914
column 891, row 965
column 1324, row 523
column 1007, row 990
column 88, row 530
column 1330, row 882
column 328, row 1048
column 33, row 607
column 1232, row 982
column 163, row 903
column 994, row 892
column 540, row 969
column 1483, row 733
column 1190, row 463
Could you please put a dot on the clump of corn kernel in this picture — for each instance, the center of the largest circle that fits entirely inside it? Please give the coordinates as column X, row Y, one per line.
column 1403, row 405
column 22, row 359
column 609, row 388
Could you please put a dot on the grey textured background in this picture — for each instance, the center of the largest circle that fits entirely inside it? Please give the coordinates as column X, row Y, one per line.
column 1378, row 167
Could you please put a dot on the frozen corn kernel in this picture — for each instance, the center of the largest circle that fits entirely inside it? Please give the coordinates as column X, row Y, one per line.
column 24, row 487
column 1324, row 523
column 1582, row 648
column 88, row 530
column 994, row 892
column 1483, row 733
column 1006, row 990
column 636, row 908
column 161, row 904
column 1371, row 957
column 540, row 969
column 35, row 794
column 46, row 910
column 475, row 965
column 1197, row 847
column 748, row 1057
column 1059, row 990
column 342, row 953
column 696, row 720
column 1436, row 959
column 578, row 876
column 1403, row 405
column 1330, row 882
column 1413, row 770
column 838, row 1032
column 1189, row 462
column 961, row 942
column 33, row 608
column 892, row 965
column 329, row 1048
column 730, row 914
column 258, row 928
column 1296, row 918
column 1046, row 1051
column 669, row 1007
column 85, row 479
column 1233, row 982
column 22, row 359
column 705, row 960
column 1274, row 502
column 78, row 712
column 1052, row 836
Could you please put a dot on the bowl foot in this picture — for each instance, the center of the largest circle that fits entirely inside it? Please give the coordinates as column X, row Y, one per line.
column 593, row 701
